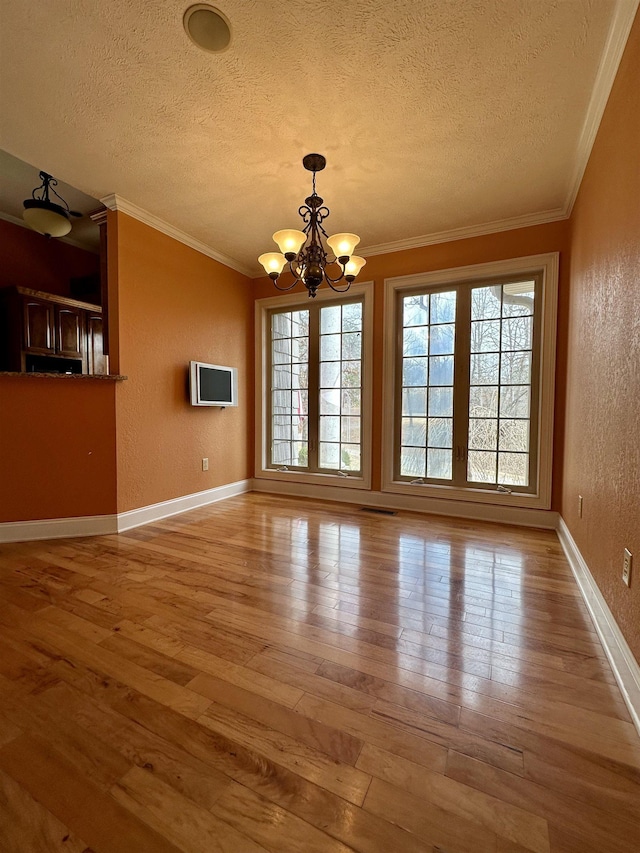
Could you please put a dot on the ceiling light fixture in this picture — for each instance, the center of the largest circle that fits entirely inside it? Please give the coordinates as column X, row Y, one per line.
column 303, row 250
column 45, row 216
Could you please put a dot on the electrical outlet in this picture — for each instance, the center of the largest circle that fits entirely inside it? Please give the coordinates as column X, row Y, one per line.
column 626, row 567
column 205, row 464
column 579, row 506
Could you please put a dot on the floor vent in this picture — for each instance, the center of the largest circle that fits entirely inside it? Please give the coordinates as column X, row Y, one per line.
column 377, row 511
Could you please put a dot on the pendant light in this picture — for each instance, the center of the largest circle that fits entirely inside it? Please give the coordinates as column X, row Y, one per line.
column 45, row 216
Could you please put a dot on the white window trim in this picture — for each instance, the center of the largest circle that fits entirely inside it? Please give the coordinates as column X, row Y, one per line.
column 548, row 264
column 262, row 308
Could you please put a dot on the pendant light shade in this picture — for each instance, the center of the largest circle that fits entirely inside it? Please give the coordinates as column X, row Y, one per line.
column 45, row 216
column 342, row 245
column 289, row 240
column 353, row 267
column 45, row 219
column 273, row 262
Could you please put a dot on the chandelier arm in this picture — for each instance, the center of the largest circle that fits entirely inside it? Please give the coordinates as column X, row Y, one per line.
column 337, row 289
column 333, row 280
column 284, row 289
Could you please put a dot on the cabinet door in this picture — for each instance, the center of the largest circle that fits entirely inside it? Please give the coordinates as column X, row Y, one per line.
column 69, row 331
column 39, row 326
column 96, row 359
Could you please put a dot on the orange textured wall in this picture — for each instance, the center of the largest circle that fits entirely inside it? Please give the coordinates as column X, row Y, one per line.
column 30, row 260
column 602, row 459
column 57, row 448
column 177, row 305
column 535, row 240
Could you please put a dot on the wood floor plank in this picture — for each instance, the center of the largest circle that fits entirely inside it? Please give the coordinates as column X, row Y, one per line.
column 76, row 801
column 278, row 674
column 600, row 830
column 90, row 757
column 510, row 823
column 213, row 670
column 277, row 666
column 276, row 828
column 614, row 739
column 429, row 822
column 167, row 692
column 312, row 764
column 378, row 688
column 374, row 731
column 25, row 825
column 196, row 779
column 190, row 827
column 325, row 738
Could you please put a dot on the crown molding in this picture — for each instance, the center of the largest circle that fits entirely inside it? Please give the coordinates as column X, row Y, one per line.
column 116, row 202
column 615, row 44
column 527, row 220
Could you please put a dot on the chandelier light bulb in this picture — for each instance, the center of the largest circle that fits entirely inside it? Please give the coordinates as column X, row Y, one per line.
column 342, row 245
column 353, row 267
column 273, row 263
column 289, row 242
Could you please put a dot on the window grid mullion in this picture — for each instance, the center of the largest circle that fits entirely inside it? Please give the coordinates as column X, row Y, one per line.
column 314, row 388
column 497, row 465
column 461, row 378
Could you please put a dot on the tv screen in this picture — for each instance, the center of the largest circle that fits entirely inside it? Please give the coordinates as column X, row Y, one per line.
column 213, row 384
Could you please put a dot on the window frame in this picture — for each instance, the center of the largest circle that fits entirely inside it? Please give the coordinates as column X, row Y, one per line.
column 297, row 301
column 546, row 268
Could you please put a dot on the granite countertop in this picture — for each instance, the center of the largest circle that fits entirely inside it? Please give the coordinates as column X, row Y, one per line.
column 111, row 377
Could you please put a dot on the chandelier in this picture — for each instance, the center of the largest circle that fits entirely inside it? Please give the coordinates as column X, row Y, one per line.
column 45, row 216
column 309, row 262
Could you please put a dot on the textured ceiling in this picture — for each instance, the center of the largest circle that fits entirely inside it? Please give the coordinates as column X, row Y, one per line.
column 433, row 114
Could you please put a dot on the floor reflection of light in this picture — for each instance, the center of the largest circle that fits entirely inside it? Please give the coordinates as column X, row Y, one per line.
column 290, row 536
column 493, row 582
column 339, row 555
column 424, row 567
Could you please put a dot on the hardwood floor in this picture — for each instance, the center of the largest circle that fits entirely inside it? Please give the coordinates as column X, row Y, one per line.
column 285, row 675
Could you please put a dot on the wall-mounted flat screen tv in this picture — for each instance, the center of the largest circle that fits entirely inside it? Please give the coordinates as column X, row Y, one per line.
column 213, row 384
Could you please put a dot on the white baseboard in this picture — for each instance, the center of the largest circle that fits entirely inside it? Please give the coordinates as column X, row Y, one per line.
column 57, row 528
column 101, row 525
column 175, row 506
column 521, row 516
column 624, row 665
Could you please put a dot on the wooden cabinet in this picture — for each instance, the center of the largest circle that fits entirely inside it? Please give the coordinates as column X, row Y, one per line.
column 45, row 333
column 70, row 331
column 38, row 316
column 96, row 358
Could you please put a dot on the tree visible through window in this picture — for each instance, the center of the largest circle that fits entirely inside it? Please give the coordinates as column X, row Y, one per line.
column 316, row 388
column 466, row 397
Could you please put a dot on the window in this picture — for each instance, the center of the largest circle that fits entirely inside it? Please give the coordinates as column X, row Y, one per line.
column 470, row 375
column 315, row 387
